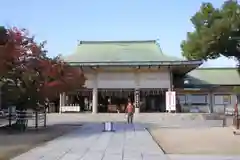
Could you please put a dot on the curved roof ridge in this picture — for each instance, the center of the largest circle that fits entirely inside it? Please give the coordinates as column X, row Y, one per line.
column 157, row 43
column 117, row 41
column 159, row 47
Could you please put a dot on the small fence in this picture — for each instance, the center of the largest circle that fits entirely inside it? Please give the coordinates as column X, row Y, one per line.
column 39, row 119
column 27, row 118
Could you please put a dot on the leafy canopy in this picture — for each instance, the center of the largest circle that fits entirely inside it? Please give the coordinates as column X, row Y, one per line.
column 216, row 32
column 28, row 75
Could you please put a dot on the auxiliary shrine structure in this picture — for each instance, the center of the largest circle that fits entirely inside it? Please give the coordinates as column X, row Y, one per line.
column 119, row 71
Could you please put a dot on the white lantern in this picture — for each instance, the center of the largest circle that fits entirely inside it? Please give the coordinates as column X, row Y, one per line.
column 109, row 100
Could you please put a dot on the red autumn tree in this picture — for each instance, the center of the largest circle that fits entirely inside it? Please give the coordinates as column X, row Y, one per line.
column 28, row 75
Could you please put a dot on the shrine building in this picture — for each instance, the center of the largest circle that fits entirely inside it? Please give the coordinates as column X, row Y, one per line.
column 118, row 71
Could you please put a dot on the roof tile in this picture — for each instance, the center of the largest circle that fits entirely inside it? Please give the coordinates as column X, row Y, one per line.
column 214, row 76
column 118, row 51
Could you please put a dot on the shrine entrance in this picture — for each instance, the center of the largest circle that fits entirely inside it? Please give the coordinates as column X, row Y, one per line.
column 114, row 100
column 153, row 100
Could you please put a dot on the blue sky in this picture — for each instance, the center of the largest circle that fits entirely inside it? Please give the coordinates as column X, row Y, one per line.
column 62, row 23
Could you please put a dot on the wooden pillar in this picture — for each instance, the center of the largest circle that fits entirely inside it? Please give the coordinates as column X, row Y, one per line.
column 211, row 101
column 95, row 95
column 94, row 100
column 60, row 103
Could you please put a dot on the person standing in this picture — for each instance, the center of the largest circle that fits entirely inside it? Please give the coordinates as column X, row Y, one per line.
column 130, row 112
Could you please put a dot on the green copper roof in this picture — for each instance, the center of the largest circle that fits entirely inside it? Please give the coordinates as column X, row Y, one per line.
column 214, row 76
column 118, row 51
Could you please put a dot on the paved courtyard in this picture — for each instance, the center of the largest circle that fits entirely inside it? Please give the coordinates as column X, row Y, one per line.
column 128, row 142
column 202, row 157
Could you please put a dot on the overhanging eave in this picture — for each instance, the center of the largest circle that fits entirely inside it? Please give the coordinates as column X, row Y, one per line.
column 190, row 64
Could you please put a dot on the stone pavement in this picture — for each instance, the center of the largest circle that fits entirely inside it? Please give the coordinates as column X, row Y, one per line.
column 203, row 157
column 179, row 120
column 128, row 142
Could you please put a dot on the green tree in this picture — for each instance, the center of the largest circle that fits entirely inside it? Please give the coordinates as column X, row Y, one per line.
column 216, row 32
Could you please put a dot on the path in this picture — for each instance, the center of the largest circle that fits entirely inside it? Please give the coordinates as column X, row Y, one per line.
column 182, row 120
column 128, row 142
column 203, row 157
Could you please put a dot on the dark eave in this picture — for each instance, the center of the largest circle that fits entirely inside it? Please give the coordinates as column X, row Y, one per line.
column 182, row 70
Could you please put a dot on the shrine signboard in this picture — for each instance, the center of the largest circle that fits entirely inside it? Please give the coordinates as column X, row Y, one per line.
column 171, row 101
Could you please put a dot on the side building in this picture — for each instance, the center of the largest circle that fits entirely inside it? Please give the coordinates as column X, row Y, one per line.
column 209, row 89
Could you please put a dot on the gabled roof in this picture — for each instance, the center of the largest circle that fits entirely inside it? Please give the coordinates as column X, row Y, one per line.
column 126, row 53
column 214, row 76
column 118, row 51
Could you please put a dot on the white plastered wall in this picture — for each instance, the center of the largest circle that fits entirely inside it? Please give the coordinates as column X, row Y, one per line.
column 128, row 80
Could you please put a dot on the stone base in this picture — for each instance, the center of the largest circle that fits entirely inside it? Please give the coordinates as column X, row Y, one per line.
column 137, row 110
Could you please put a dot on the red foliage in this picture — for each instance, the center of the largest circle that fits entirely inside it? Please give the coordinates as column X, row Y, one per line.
column 28, row 60
column 66, row 78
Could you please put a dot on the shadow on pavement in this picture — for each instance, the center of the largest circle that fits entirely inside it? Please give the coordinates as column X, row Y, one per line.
column 13, row 142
